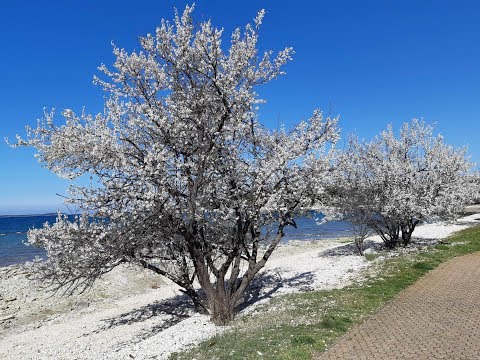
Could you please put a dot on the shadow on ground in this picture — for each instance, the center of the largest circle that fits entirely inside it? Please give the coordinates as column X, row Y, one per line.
column 178, row 308
column 267, row 284
column 351, row 249
column 421, row 242
column 172, row 311
column 377, row 247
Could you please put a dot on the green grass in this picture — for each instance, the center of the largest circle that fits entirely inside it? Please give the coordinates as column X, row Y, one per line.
column 299, row 325
column 371, row 257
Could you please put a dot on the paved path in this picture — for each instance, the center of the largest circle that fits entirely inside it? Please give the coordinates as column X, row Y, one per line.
column 436, row 318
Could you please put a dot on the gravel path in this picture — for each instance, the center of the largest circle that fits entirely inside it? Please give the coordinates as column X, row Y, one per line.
column 436, row 318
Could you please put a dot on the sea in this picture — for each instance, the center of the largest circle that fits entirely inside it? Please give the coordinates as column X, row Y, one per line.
column 13, row 234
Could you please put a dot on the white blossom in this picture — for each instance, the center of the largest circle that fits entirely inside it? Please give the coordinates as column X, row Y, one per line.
column 392, row 183
column 187, row 182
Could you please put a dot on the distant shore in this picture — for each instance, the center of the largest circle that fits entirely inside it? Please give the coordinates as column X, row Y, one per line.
column 29, row 215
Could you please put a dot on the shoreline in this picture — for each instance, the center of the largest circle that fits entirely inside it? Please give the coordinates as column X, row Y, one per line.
column 134, row 313
column 13, row 235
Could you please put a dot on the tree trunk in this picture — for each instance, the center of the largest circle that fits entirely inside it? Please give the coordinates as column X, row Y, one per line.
column 406, row 236
column 197, row 302
column 220, row 303
column 359, row 245
column 390, row 236
column 222, row 296
column 222, row 310
column 407, row 231
column 391, row 242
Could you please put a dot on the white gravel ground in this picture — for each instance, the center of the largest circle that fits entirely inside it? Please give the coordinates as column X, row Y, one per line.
column 154, row 322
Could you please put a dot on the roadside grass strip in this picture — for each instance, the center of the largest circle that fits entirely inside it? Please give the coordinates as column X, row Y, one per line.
column 298, row 326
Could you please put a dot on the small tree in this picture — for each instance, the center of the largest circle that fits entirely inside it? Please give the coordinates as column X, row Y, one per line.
column 186, row 181
column 397, row 182
column 347, row 202
column 360, row 224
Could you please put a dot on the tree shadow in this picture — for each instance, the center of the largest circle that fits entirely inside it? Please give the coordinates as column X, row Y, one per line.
column 172, row 311
column 178, row 308
column 467, row 222
column 423, row 241
column 378, row 247
column 351, row 249
column 268, row 283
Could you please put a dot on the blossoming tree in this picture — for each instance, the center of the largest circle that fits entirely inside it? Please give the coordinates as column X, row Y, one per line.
column 393, row 183
column 186, row 180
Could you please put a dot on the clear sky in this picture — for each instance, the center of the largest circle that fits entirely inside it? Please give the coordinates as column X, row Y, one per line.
column 371, row 62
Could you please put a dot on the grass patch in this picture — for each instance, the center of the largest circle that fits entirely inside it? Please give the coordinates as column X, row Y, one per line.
column 371, row 257
column 303, row 340
column 297, row 326
column 336, row 323
column 423, row 265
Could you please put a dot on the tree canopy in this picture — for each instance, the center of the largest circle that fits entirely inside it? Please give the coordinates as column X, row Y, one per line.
column 187, row 182
column 396, row 181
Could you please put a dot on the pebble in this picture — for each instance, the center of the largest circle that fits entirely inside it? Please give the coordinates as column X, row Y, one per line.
column 189, row 331
column 8, row 317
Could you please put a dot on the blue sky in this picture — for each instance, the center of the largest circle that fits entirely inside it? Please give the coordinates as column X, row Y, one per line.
column 371, row 62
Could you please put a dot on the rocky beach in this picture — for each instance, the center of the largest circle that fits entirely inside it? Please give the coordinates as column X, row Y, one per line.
column 131, row 313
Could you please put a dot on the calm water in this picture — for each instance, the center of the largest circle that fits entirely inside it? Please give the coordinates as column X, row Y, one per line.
column 13, row 235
